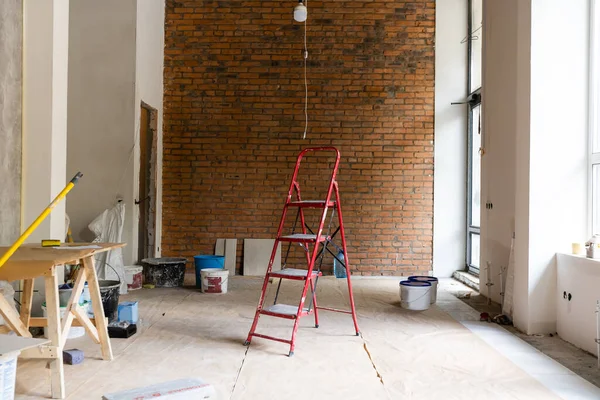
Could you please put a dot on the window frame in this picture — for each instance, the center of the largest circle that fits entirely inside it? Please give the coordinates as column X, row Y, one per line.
column 473, row 100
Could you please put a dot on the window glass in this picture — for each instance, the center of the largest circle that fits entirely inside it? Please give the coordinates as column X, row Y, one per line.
column 476, row 167
column 475, row 242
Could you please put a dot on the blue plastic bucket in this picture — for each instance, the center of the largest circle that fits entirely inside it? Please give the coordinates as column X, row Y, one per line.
column 431, row 279
column 204, row 262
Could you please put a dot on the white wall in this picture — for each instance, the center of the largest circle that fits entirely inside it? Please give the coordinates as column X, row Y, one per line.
column 499, row 96
column 559, row 138
column 449, row 228
column 101, row 122
column 576, row 318
column 150, row 43
column 535, row 120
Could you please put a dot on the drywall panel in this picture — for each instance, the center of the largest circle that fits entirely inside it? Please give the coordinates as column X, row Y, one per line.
column 257, row 254
column 101, row 116
column 449, row 226
column 231, row 255
column 149, row 61
column 11, row 45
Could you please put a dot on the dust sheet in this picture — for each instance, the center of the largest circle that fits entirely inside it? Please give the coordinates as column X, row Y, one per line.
column 400, row 355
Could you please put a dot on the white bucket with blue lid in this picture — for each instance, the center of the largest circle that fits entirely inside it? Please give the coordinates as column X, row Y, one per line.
column 431, row 279
column 415, row 295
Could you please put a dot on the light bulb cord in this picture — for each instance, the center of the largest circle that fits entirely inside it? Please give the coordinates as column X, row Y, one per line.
column 305, row 78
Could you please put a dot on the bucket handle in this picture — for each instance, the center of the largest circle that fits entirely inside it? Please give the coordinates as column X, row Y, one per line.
column 116, row 273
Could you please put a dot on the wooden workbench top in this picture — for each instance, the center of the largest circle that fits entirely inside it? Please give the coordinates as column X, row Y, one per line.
column 33, row 260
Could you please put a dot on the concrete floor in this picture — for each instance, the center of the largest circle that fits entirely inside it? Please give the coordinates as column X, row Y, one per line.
column 579, row 361
column 438, row 353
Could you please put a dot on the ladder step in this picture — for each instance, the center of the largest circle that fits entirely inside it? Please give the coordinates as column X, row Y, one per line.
column 284, row 311
column 311, row 204
column 271, row 338
column 302, row 238
column 293, row 273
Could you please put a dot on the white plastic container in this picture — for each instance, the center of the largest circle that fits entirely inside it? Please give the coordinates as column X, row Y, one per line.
column 434, row 284
column 8, row 374
column 74, row 332
column 415, row 295
column 214, row 280
column 133, row 276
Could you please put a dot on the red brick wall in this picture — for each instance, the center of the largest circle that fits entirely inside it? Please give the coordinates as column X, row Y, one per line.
column 234, row 118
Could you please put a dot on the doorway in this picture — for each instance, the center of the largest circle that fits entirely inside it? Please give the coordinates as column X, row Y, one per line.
column 147, row 182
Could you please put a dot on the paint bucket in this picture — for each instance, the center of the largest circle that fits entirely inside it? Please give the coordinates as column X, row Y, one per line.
column 74, row 331
column 206, row 262
column 164, row 272
column 415, row 295
column 214, row 280
column 109, row 291
column 64, row 295
column 8, row 375
column 434, row 284
column 133, row 277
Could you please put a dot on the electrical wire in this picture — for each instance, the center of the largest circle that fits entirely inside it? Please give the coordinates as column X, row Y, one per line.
column 305, row 78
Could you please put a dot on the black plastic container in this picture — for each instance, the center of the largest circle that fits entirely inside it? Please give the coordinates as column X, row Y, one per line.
column 109, row 291
column 164, row 272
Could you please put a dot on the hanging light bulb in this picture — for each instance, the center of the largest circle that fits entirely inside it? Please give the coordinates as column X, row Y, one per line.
column 300, row 12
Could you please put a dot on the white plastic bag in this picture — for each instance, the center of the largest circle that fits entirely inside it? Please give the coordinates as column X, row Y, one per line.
column 108, row 228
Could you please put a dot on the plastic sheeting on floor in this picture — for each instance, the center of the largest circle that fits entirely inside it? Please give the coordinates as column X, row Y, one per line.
column 401, row 354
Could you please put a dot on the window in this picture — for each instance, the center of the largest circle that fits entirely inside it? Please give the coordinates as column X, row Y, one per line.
column 475, row 39
column 594, row 158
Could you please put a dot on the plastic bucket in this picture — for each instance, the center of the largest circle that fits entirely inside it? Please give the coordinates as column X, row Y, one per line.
column 415, row 295
column 434, row 284
column 214, row 280
column 165, row 271
column 8, row 375
column 74, row 331
column 109, row 291
column 133, row 277
column 206, row 262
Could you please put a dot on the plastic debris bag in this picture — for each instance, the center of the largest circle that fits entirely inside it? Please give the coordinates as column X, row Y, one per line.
column 108, row 228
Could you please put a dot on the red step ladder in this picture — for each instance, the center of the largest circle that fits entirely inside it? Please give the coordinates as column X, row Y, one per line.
column 306, row 238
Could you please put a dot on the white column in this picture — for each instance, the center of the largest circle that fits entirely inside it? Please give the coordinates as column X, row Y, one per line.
column 45, row 72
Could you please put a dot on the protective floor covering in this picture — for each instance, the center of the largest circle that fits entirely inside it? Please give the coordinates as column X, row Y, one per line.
column 400, row 355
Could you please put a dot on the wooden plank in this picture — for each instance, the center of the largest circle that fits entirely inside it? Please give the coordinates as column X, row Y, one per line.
column 12, row 318
column 41, row 322
column 33, row 260
column 73, row 303
column 57, row 376
column 5, row 329
column 86, row 322
column 26, row 299
column 12, row 343
column 47, row 352
column 101, row 325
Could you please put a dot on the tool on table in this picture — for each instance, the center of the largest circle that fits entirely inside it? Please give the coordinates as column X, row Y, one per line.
column 39, row 219
column 50, row 243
